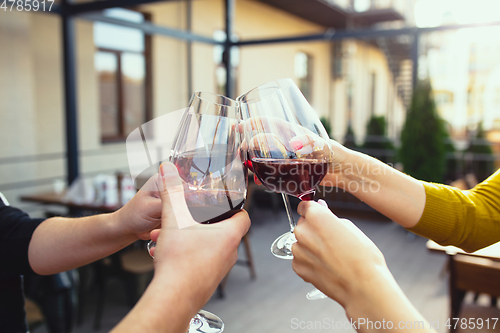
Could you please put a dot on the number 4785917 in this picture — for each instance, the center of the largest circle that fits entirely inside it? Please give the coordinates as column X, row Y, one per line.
column 26, row 5
column 471, row 323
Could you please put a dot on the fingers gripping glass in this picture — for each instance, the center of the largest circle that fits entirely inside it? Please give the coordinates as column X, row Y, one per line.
column 287, row 148
column 206, row 149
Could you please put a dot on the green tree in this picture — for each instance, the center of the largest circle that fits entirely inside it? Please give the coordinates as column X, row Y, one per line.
column 452, row 163
column 422, row 150
column 377, row 140
column 482, row 164
column 350, row 139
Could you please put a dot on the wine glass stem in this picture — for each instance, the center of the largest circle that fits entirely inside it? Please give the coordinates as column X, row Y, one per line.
column 289, row 212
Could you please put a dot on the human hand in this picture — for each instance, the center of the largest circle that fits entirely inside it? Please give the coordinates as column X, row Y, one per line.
column 190, row 261
column 269, row 134
column 334, row 255
column 142, row 213
column 271, row 137
column 195, row 258
column 342, row 161
column 338, row 259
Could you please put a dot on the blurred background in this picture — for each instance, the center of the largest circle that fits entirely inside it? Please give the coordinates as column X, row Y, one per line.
column 415, row 83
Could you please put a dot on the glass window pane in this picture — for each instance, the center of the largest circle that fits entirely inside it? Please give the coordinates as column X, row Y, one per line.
column 134, row 88
column 303, row 72
column 361, row 5
column 124, row 14
column 106, row 64
column 301, row 65
column 219, row 36
column 116, row 37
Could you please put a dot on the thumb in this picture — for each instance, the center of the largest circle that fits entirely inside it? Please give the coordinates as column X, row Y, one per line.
column 175, row 213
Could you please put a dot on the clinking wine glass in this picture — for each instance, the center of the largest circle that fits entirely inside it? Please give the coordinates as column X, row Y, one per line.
column 207, row 154
column 288, row 149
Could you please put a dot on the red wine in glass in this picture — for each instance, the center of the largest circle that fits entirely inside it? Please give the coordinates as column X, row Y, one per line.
column 294, row 177
column 288, row 147
column 207, row 206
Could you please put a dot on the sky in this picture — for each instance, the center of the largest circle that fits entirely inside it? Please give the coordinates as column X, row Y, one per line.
column 431, row 13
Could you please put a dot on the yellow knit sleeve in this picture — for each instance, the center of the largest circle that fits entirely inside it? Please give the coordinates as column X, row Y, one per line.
column 467, row 219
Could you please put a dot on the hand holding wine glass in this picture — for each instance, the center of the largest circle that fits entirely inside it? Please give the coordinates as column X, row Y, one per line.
column 213, row 179
column 288, row 148
column 189, row 264
column 190, row 249
column 303, row 163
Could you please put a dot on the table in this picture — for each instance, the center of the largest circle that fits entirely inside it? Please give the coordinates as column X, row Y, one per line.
column 478, row 272
column 58, row 199
column 490, row 252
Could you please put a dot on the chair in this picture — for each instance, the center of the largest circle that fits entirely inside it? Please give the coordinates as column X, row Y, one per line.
column 34, row 316
column 56, row 298
column 128, row 266
column 471, row 273
column 466, row 183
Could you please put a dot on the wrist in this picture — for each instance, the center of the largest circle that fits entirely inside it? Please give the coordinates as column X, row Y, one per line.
column 367, row 289
column 117, row 225
column 351, row 167
column 165, row 306
column 380, row 299
column 361, row 174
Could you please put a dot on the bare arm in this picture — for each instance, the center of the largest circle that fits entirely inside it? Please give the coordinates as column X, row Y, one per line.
column 392, row 193
column 59, row 244
column 449, row 216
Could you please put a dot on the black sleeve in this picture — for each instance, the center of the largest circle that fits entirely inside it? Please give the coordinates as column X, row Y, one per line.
column 16, row 229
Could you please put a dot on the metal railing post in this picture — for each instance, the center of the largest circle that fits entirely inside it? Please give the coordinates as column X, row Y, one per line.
column 227, row 47
column 70, row 93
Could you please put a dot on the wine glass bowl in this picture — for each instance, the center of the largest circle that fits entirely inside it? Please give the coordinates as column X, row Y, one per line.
column 207, row 155
column 287, row 147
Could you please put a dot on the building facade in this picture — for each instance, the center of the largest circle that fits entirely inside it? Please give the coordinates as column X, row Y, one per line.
column 123, row 83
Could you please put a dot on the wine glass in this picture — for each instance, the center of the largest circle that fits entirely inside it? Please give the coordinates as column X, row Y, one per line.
column 288, row 148
column 207, row 154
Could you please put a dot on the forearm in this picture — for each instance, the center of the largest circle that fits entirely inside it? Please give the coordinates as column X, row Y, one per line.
column 60, row 244
column 382, row 304
column 163, row 308
column 392, row 193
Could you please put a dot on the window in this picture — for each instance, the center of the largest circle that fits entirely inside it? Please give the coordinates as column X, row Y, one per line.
column 443, row 97
column 337, row 60
column 220, row 70
column 121, row 62
column 303, row 71
column 470, row 96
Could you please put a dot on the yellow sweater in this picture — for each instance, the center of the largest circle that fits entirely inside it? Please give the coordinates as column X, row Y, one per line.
column 467, row 219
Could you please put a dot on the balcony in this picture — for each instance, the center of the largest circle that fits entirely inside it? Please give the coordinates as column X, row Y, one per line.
column 321, row 12
column 370, row 12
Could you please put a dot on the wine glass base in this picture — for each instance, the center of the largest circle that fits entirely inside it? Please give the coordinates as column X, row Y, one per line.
column 206, row 322
column 315, row 294
column 282, row 246
column 151, row 245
